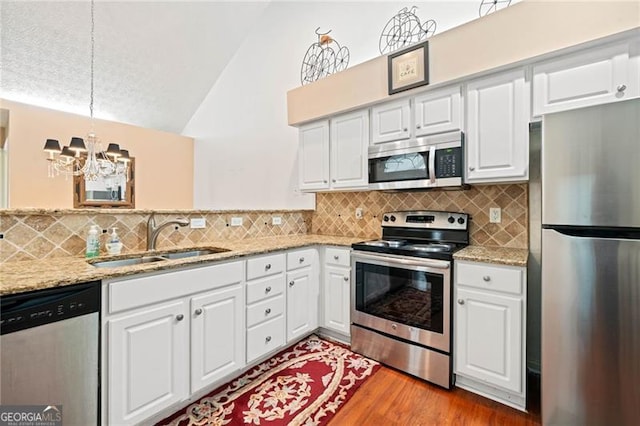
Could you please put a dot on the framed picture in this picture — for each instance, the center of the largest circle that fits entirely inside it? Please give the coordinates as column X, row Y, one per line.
column 408, row 68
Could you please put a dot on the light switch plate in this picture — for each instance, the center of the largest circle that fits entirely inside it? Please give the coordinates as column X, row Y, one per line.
column 236, row 221
column 276, row 220
column 198, row 223
column 495, row 215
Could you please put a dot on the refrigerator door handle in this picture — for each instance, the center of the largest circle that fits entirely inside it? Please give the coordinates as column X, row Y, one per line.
column 591, row 232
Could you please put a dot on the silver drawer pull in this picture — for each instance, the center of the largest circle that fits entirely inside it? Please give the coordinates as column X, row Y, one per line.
column 417, row 126
column 336, row 257
column 198, row 311
column 460, row 302
column 179, row 317
column 394, row 326
column 471, row 169
column 267, row 311
column 301, row 259
column 621, row 88
column 291, row 283
column 346, row 278
column 267, row 290
column 267, row 339
column 487, row 278
column 267, row 266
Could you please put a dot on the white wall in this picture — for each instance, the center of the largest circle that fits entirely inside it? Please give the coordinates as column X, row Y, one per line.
column 245, row 154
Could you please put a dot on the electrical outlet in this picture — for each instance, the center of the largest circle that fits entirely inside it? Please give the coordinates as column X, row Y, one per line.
column 236, row 221
column 495, row 215
column 198, row 223
column 359, row 213
column 276, row 220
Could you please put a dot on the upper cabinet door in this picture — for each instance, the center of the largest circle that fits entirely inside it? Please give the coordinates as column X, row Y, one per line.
column 595, row 76
column 438, row 111
column 349, row 144
column 314, row 156
column 497, row 137
column 390, row 121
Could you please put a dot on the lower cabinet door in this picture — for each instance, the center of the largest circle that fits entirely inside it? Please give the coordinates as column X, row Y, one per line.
column 301, row 303
column 488, row 334
column 336, row 299
column 217, row 335
column 148, row 362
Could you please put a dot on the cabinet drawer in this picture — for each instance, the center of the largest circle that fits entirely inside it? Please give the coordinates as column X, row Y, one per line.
column 265, row 265
column 487, row 277
column 337, row 256
column 300, row 258
column 264, row 310
column 267, row 287
column 264, row 338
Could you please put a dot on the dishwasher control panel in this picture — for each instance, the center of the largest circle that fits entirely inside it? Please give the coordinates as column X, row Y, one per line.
column 27, row 310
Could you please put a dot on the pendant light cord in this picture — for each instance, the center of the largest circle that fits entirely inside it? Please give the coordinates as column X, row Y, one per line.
column 92, row 58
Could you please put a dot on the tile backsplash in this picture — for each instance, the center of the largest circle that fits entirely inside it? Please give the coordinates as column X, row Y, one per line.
column 44, row 234
column 335, row 212
column 35, row 234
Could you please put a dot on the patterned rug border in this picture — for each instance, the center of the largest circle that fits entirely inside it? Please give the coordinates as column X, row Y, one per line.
column 268, row 371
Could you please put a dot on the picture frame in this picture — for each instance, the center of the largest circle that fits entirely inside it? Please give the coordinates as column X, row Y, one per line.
column 408, row 68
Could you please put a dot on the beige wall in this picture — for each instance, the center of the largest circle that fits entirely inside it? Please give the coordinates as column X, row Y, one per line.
column 521, row 31
column 164, row 161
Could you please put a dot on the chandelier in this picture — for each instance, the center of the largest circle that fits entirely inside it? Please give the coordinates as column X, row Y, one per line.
column 88, row 159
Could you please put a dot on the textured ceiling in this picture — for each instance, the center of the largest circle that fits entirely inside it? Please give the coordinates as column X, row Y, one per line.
column 154, row 61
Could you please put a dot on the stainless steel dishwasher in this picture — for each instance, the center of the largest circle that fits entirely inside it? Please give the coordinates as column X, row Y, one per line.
column 49, row 351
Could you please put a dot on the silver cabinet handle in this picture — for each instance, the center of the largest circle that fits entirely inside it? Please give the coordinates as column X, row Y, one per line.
column 301, row 259
column 291, row 283
column 621, row 88
column 179, row 317
column 486, row 278
column 324, row 181
column 394, row 326
column 267, row 339
column 198, row 311
column 460, row 302
column 267, row 290
column 346, row 278
column 267, row 311
column 336, row 257
column 471, row 169
column 267, row 266
column 405, row 129
column 333, row 180
column 417, row 126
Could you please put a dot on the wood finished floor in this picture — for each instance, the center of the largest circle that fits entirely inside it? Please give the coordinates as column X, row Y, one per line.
column 394, row 398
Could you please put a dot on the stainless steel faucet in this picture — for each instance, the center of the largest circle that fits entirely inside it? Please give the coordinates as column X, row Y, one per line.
column 153, row 230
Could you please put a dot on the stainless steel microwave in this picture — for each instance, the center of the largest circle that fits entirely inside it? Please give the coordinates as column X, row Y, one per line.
column 429, row 162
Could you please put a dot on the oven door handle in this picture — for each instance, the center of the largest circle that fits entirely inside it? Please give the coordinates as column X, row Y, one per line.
column 431, row 263
column 432, row 164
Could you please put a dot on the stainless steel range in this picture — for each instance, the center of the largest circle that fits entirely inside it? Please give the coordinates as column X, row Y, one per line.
column 401, row 292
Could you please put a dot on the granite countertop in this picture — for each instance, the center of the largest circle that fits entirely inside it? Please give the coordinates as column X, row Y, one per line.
column 498, row 255
column 18, row 277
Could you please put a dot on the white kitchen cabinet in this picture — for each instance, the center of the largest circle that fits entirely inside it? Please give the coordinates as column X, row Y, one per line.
column 490, row 331
column 313, row 156
column 148, row 362
column 303, row 288
column 349, row 148
column 390, row 121
column 438, row 111
column 337, row 290
column 217, row 330
column 497, row 136
column 595, row 76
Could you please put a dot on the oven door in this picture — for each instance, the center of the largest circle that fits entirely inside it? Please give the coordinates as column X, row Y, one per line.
column 409, row 298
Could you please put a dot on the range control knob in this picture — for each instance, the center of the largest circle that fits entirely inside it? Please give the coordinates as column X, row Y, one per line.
column 385, row 218
column 451, row 219
column 460, row 220
column 393, row 218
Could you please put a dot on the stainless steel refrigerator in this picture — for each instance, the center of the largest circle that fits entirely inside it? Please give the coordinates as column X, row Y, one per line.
column 591, row 266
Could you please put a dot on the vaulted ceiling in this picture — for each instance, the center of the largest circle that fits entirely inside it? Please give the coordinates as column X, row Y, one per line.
column 155, row 61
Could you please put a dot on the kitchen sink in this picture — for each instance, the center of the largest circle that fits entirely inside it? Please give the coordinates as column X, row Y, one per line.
column 139, row 260
column 127, row 262
column 192, row 253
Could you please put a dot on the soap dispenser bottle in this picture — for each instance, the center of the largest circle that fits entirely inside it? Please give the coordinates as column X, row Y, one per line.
column 93, row 242
column 114, row 246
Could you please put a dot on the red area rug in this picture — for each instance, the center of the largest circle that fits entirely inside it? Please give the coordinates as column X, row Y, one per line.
column 303, row 385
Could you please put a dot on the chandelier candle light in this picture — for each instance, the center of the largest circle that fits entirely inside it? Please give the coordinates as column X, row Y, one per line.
column 88, row 160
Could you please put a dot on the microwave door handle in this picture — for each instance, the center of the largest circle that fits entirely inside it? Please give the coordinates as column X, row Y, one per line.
column 432, row 164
